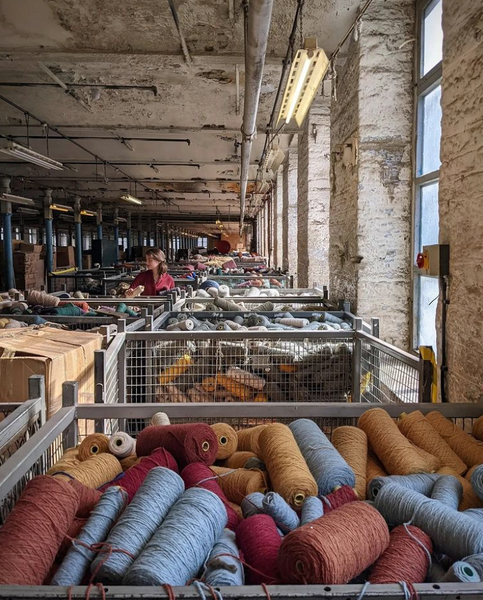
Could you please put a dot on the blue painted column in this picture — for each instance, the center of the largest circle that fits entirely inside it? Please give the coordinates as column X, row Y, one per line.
column 116, row 231
column 49, row 247
column 78, row 233
column 99, row 221
column 140, row 237
column 8, row 272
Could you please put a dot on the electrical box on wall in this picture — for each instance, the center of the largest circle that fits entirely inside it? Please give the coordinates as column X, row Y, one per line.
column 434, row 260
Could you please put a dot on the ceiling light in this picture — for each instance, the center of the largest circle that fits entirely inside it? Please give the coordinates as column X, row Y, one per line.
column 88, row 213
column 27, row 211
column 60, row 207
column 24, row 153
column 132, row 199
column 273, row 161
column 308, row 69
column 17, row 199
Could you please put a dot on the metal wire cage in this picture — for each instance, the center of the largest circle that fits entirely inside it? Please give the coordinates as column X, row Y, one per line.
column 44, row 448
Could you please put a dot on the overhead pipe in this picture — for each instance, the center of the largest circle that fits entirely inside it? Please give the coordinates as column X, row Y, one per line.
column 258, row 17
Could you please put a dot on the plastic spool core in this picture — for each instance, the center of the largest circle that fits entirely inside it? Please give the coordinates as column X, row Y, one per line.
column 94, row 449
column 468, row 571
column 299, row 499
column 299, row 565
column 118, row 442
column 205, row 446
column 223, row 440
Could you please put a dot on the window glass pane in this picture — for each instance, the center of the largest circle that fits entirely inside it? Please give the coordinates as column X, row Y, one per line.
column 432, row 47
column 429, row 215
column 427, row 304
column 430, row 132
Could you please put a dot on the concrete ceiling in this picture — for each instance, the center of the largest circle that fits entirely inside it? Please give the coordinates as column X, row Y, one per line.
column 131, row 93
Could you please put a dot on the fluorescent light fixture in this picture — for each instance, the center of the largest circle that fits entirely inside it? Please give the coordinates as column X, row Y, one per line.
column 60, row 207
column 132, row 199
column 17, row 199
column 27, row 211
column 308, row 69
column 88, row 213
column 273, row 160
column 24, row 153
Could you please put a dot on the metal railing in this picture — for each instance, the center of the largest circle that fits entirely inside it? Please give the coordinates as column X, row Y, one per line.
column 235, row 281
column 289, row 366
column 45, row 447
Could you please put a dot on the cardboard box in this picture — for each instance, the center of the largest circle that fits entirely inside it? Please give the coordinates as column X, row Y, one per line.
column 87, row 261
column 65, row 256
column 57, row 355
column 31, row 248
column 32, row 279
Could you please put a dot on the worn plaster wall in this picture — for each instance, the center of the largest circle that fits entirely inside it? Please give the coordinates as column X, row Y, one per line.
column 370, row 243
column 461, row 196
column 314, row 196
column 290, row 240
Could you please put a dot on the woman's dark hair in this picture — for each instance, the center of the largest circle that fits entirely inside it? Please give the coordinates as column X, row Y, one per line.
column 159, row 255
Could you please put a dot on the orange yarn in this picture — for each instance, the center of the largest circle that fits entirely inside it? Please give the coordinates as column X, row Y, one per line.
column 94, row 471
column 248, row 439
column 238, row 460
column 421, row 433
column 351, row 443
column 227, row 440
column 469, row 498
column 466, row 447
column 239, row 483
column 92, row 445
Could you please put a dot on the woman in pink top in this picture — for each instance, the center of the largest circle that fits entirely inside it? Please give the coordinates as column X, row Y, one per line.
column 155, row 279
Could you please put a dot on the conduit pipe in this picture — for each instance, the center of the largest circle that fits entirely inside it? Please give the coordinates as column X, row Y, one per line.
column 256, row 37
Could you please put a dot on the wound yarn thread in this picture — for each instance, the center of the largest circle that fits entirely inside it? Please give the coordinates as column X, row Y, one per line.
column 137, row 524
column 374, row 469
column 199, row 475
column 461, row 571
column 239, row 459
column 342, row 496
column 248, row 439
column 463, row 444
column 92, row 445
column 122, row 445
column 238, row 483
column 222, row 566
column 160, row 418
column 351, row 443
column 407, row 558
column 36, row 298
column 477, row 481
column 284, row 516
column 312, row 509
column 174, row 555
column 289, row 473
column 88, row 498
column 453, row 533
column 193, row 442
column 227, row 440
column 335, row 548
column 396, row 452
column 420, row 482
column 421, row 433
column 448, row 490
column 34, row 530
column 469, row 498
column 93, row 472
column 476, row 561
column 134, row 477
column 252, row 504
column 327, row 466
column 77, row 561
column 246, row 378
column 259, row 543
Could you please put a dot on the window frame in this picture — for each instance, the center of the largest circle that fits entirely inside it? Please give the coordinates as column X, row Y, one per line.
column 423, row 85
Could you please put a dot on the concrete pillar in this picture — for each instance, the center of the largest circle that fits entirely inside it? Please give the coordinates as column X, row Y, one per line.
column 289, row 219
column 371, row 147
column 314, row 196
column 277, row 220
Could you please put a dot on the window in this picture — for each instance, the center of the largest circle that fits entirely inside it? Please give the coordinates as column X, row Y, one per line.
column 202, row 242
column 426, row 177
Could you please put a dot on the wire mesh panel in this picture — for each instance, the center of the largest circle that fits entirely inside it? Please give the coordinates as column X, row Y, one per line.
column 387, row 374
column 247, row 281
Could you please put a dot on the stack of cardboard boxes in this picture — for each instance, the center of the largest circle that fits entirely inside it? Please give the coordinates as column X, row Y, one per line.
column 29, row 266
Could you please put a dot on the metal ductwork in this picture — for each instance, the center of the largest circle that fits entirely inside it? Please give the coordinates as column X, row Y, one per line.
column 257, row 28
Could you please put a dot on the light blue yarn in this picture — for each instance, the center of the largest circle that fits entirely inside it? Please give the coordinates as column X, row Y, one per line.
column 284, row 516
column 476, row 561
column 477, row 481
column 312, row 509
column 203, row 589
column 420, row 482
column 475, row 513
column 147, row 510
column 448, row 490
column 327, row 466
column 224, row 570
column 78, row 558
column 178, row 549
column 452, row 532
column 462, row 571
column 252, row 504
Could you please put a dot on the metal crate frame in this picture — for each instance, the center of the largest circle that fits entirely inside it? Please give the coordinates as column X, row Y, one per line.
column 64, row 425
column 286, row 280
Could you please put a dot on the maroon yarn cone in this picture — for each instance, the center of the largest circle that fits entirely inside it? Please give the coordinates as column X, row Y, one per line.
column 193, row 442
column 259, row 541
column 195, row 474
column 134, row 476
column 342, row 496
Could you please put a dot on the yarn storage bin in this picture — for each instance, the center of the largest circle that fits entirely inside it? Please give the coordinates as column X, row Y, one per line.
column 47, row 445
